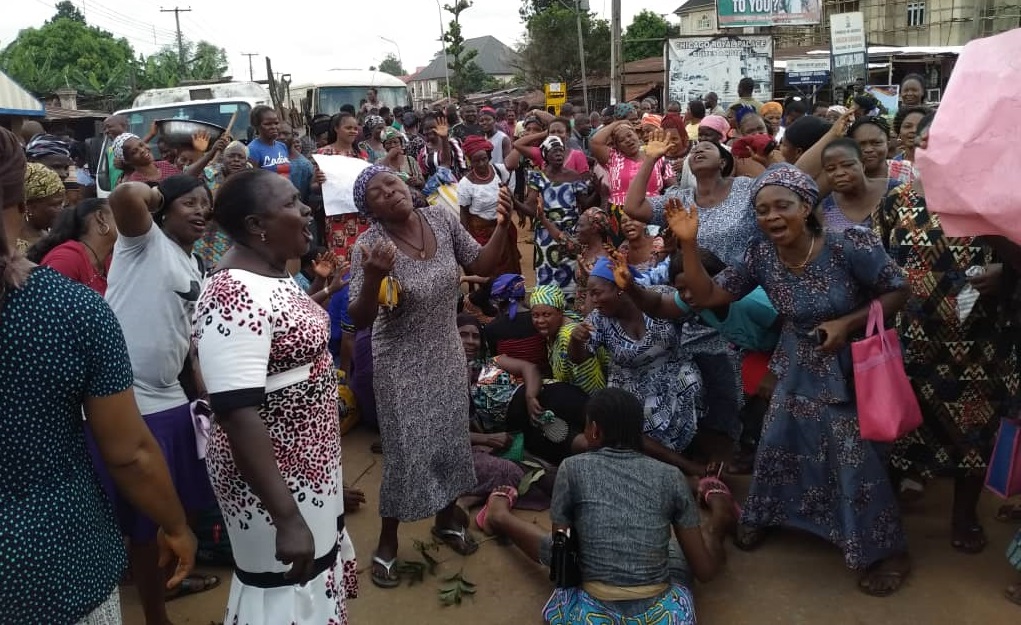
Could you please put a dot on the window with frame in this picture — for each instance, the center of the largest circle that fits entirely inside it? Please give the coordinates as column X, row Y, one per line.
column 916, row 14
column 704, row 23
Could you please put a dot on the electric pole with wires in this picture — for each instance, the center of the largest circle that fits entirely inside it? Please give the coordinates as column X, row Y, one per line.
column 180, row 39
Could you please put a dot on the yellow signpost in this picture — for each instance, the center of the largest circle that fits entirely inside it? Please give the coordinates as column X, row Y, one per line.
column 556, row 95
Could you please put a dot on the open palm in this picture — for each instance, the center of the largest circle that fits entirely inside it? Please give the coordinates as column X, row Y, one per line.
column 683, row 221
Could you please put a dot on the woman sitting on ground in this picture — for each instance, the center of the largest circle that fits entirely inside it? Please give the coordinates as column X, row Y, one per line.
column 548, row 305
column 646, row 359
column 512, row 333
column 622, row 506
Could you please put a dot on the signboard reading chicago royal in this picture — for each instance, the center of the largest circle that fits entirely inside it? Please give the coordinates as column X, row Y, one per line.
column 764, row 13
column 698, row 65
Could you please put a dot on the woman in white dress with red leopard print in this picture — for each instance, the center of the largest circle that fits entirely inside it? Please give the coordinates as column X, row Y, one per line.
column 274, row 449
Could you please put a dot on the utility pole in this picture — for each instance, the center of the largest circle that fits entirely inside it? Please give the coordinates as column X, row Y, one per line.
column 251, row 73
column 180, row 39
column 615, row 50
column 578, row 6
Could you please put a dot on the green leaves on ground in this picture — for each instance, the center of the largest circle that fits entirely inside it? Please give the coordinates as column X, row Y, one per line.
column 455, row 589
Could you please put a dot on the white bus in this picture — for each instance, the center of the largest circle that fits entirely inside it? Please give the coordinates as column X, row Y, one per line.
column 324, row 93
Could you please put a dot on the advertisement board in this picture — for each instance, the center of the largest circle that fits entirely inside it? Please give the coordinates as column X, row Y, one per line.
column 698, row 65
column 765, row 13
column 848, row 50
column 807, row 72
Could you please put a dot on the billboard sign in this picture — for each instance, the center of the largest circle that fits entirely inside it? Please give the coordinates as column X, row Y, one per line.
column 698, row 65
column 765, row 13
column 848, row 50
column 808, row 72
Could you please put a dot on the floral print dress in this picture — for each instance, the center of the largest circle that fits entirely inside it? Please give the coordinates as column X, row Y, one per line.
column 813, row 471
column 554, row 264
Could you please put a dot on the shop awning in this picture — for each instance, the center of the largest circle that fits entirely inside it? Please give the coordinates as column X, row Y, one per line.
column 14, row 100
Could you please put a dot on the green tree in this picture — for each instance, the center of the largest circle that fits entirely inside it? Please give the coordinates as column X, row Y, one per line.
column 203, row 61
column 549, row 51
column 461, row 57
column 67, row 10
column 476, row 80
column 67, row 52
column 645, row 36
column 392, row 65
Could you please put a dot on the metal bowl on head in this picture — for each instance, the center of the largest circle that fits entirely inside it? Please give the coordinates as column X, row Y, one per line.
column 180, row 131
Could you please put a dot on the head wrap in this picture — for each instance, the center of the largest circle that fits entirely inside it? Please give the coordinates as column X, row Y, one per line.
column 771, row 107
column 600, row 221
column 603, row 269
column 41, row 182
column 44, row 145
column 487, row 110
column 473, row 144
column 836, row 108
column 741, row 111
column 548, row 295
column 372, row 121
column 509, row 288
column 788, row 177
column 622, row 110
column 533, row 119
column 118, row 144
column 362, row 184
column 234, row 145
column 12, row 170
column 392, row 133
column 549, row 144
column 806, row 131
column 717, row 123
column 653, row 120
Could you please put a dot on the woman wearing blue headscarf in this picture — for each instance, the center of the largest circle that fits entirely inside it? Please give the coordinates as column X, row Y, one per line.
column 813, row 472
column 646, row 359
column 405, row 273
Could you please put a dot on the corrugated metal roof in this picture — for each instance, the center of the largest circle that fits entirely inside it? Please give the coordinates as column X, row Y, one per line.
column 56, row 112
column 14, row 100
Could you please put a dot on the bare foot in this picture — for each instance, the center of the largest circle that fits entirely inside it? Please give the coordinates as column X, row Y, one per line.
column 885, row 577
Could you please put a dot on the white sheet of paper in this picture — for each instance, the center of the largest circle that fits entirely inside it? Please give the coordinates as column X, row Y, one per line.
column 338, row 190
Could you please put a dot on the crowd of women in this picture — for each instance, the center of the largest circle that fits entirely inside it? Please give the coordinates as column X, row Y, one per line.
column 698, row 280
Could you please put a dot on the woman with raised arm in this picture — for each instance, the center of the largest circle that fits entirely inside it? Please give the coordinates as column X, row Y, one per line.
column 813, row 472
column 404, row 285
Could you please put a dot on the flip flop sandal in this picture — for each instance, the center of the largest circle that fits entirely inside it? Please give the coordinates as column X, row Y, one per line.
column 1009, row 513
column 714, row 486
column 390, row 579
column 971, row 540
column 553, row 427
column 193, row 585
column 457, row 539
column 508, row 492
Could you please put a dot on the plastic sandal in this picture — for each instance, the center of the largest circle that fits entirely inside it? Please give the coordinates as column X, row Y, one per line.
column 385, row 581
column 508, row 492
column 457, row 539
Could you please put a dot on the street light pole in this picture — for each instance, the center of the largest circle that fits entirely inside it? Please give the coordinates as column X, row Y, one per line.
column 443, row 42
column 394, row 43
column 581, row 54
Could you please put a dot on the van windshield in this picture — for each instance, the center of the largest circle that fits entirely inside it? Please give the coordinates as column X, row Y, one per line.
column 332, row 98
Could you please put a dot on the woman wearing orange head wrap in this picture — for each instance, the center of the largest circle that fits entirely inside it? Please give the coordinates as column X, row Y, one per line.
column 772, row 114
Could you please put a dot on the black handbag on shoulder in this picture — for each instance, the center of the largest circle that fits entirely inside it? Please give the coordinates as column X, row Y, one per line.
column 565, row 559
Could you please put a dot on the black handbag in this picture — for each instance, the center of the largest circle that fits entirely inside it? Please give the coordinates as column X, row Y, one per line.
column 565, row 559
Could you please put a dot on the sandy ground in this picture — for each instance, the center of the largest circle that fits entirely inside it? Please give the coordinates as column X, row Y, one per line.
column 792, row 580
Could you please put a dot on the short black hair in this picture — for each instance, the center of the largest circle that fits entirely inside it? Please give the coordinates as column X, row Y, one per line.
column 384, row 111
column 697, row 108
column 745, row 86
column 240, row 195
column 258, row 112
column 876, row 120
column 917, row 78
column 796, row 106
column 902, row 114
column 846, row 143
column 174, row 187
column 620, row 418
column 348, row 108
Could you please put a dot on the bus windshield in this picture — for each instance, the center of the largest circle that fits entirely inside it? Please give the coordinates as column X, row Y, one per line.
column 332, row 98
column 219, row 113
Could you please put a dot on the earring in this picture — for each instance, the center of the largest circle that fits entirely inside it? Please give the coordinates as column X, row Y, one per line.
column 262, row 237
column 104, row 230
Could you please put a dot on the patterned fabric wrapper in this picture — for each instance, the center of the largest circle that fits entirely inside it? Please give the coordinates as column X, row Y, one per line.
column 788, row 177
column 41, row 182
column 362, row 183
column 574, row 605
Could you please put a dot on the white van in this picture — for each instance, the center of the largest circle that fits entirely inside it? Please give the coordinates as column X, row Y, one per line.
column 324, row 93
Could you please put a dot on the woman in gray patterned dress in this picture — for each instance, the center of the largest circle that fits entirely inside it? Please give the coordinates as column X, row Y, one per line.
column 416, row 350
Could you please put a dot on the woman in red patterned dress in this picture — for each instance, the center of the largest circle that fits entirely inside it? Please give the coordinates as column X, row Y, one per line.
column 342, row 229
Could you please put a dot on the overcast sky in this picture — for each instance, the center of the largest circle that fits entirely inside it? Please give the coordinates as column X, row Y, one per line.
column 330, row 34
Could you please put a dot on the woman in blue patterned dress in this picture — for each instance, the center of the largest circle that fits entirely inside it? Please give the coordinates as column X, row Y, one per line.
column 556, row 196
column 813, row 471
column 646, row 359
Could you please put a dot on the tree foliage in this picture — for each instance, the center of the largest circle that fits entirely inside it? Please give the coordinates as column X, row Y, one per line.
column 461, row 57
column 549, row 52
column 67, row 52
column 644, row 37
column 392, row 65
column 203, row 61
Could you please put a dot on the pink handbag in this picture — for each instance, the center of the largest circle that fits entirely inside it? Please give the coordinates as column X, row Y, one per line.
column 1004, row 475
column 887, row 406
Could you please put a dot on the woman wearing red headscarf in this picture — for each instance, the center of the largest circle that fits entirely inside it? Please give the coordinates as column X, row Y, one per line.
column 478, row 194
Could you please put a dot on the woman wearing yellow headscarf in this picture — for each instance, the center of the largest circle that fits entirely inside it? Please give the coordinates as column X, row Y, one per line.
column 547, row 306
column 44, row 199
column 772, row 114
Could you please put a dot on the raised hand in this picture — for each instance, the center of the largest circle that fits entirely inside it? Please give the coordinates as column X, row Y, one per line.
column 504, row 206
column 683, row 221
column 660, row 142
column 200, row 141
column 582, row 333
column 621, row 272
column 323, row 264
column 839, row 127
column 379, row 261
column 442, row 128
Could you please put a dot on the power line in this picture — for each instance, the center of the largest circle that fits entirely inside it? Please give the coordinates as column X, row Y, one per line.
column 251, row 72
column 95, row 7
column 180, row 39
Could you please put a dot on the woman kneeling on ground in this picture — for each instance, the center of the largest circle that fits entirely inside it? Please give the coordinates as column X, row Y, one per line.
column 622, row 503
